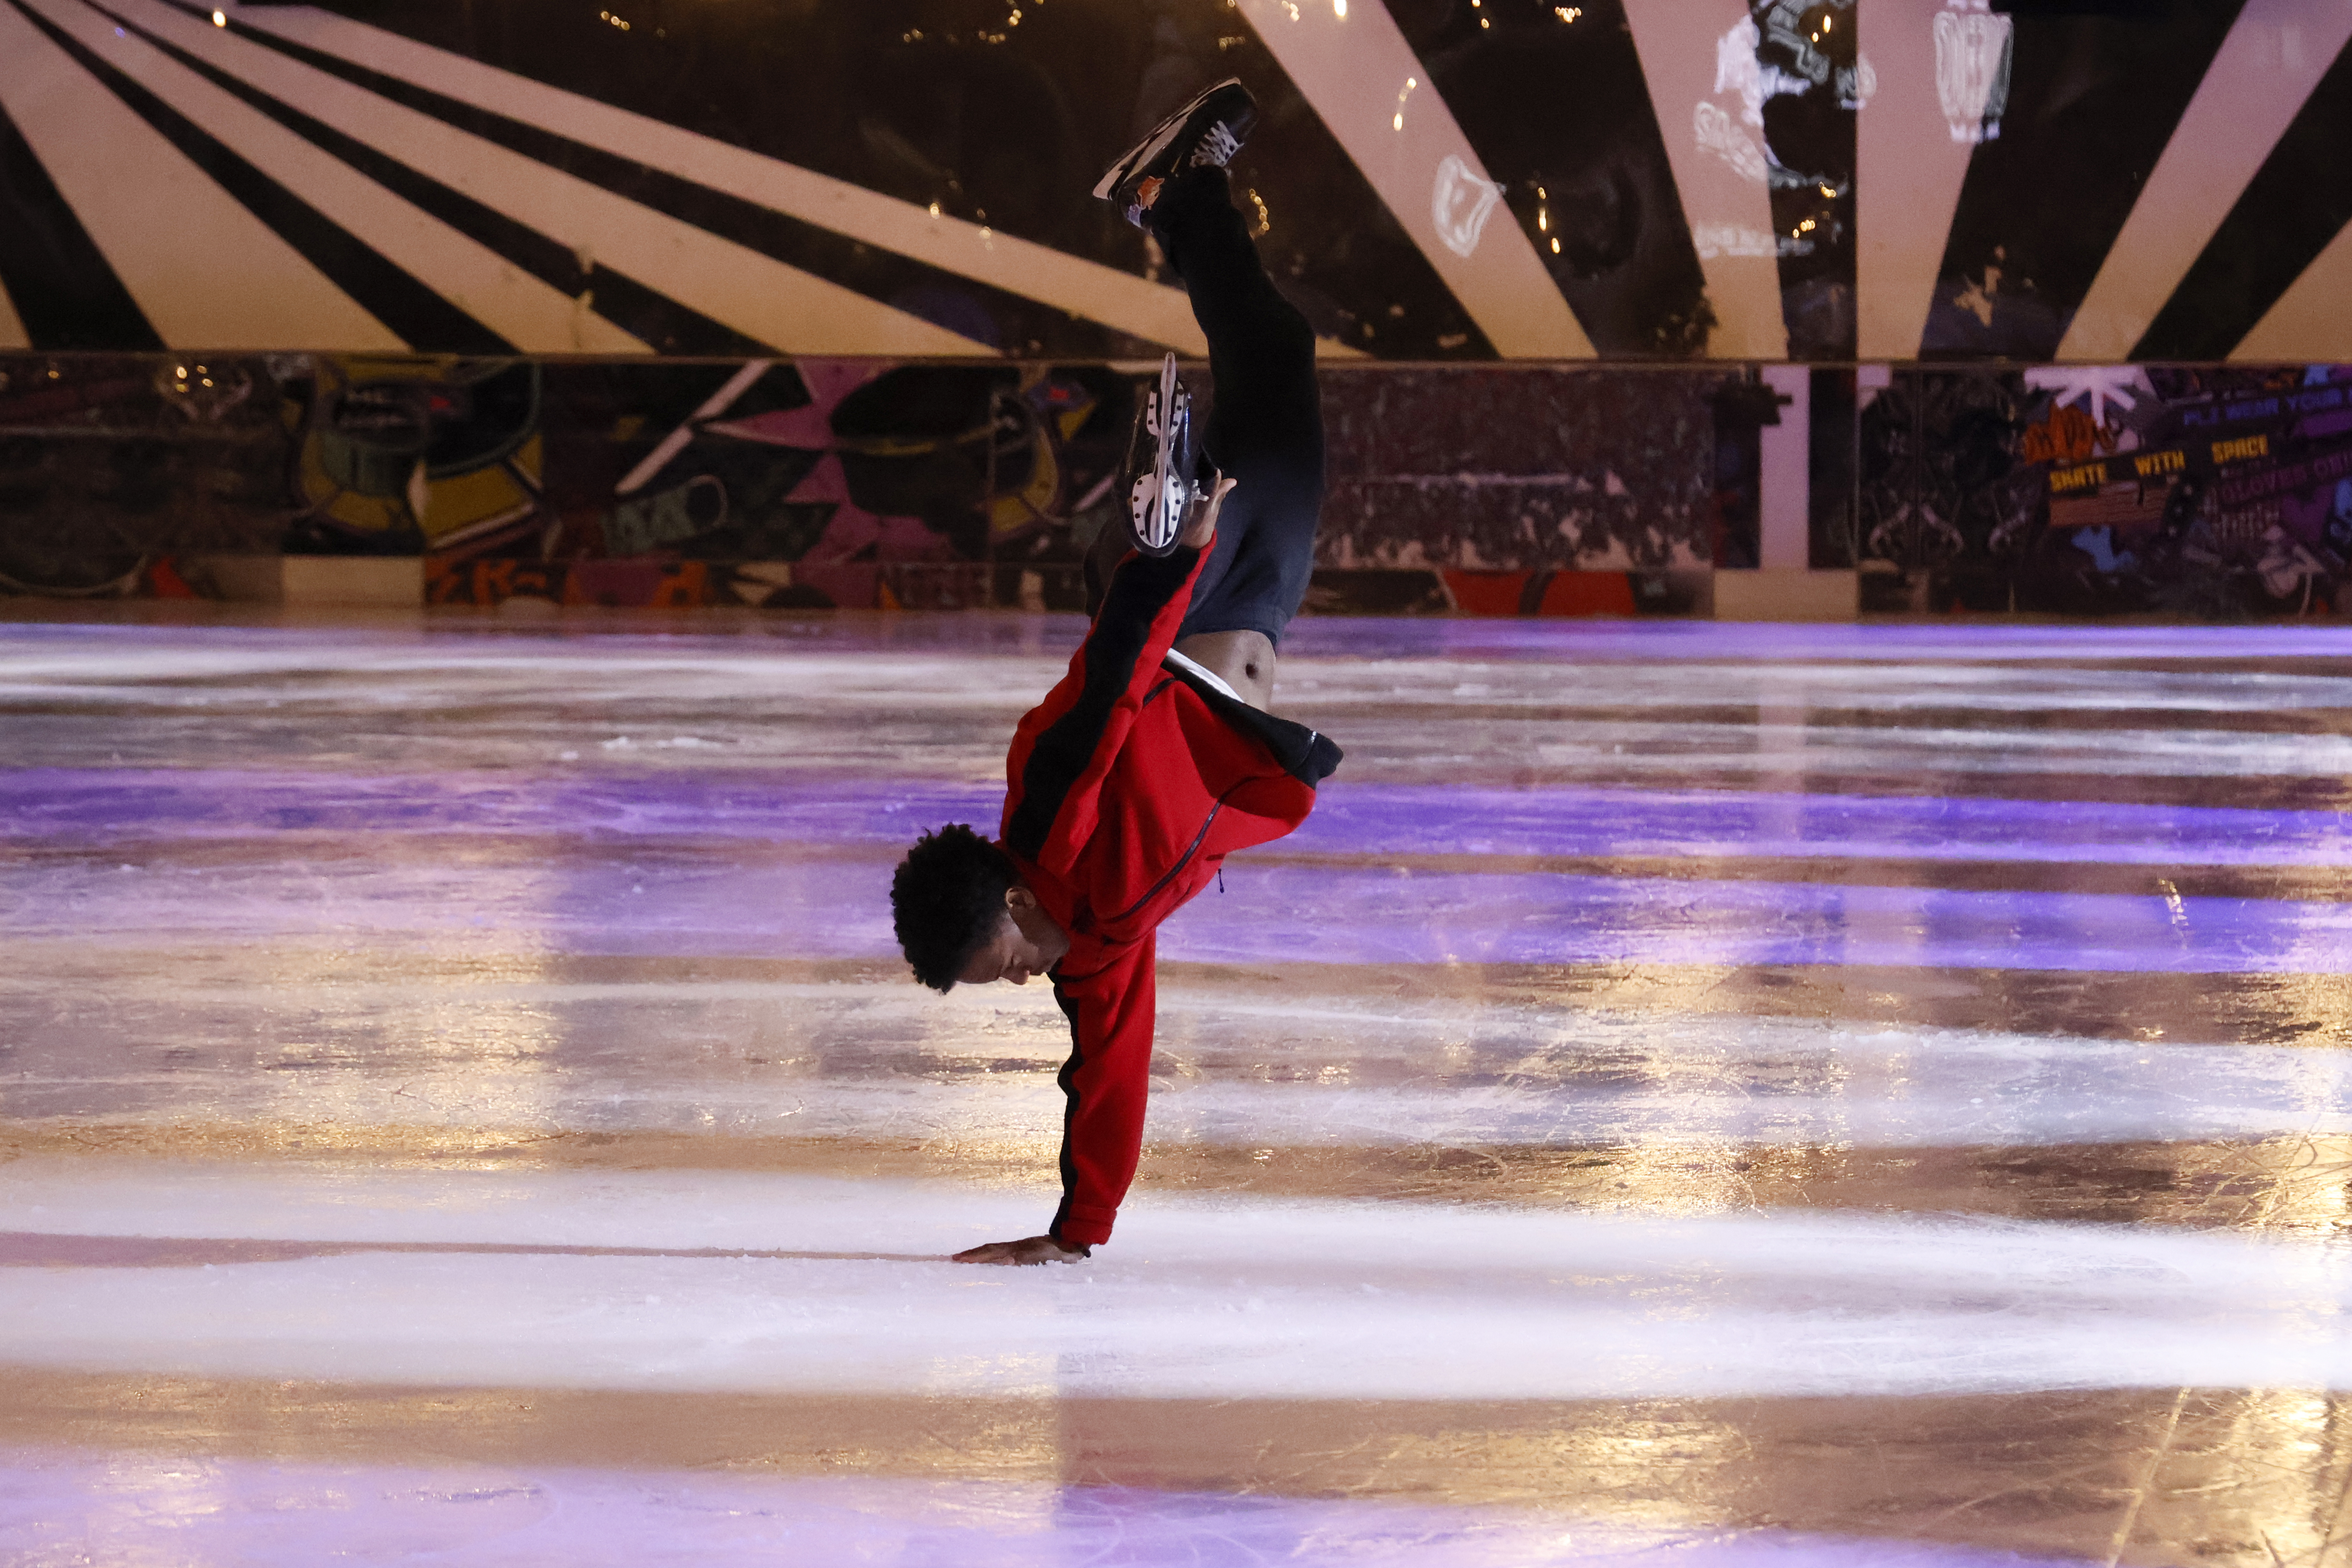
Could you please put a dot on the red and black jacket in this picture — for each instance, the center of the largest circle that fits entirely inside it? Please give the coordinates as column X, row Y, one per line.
column 1127, row 787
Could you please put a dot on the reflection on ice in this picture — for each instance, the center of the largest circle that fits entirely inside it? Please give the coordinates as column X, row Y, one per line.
column 239, row 1514
column 893, row 1061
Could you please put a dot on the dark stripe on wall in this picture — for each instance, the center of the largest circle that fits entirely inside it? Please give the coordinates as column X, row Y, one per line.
column 913, row 287
column 2291, row 212
column 64, row 291
column 661, row 321
column 2094, row 101
column 668, row 326
column 1566, row 111
column 413, row 312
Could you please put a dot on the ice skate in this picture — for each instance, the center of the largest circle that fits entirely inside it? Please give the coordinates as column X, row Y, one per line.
column 1163, row 460
column 1208, row 130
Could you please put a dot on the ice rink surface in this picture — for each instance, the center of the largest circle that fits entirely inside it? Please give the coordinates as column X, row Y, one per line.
column 1692, row 1094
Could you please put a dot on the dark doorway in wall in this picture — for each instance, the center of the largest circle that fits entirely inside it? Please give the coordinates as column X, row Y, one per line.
column 1743, row 407
column 1831, row 543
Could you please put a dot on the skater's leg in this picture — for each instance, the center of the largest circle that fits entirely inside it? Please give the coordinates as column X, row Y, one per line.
column 1266, row 432
column 1260, row 349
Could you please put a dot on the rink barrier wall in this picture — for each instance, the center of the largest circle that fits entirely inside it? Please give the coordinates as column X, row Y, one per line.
column 1745, row 492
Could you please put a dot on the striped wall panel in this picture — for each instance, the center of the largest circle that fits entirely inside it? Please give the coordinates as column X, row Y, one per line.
column 1434, row 179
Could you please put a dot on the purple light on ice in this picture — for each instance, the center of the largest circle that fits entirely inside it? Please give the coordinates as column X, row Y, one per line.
column 831, row 906
column 1315, row 636
column 101, row 805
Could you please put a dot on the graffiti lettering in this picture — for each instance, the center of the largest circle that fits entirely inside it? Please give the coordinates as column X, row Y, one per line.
column 1732, row 239
column 1461, row 204
column 1786, row 27
column 2322, row 400
column 1737, row 70
column 1972, row 72
column 2070, row 436
column 1718, row 133
column 2304, row 475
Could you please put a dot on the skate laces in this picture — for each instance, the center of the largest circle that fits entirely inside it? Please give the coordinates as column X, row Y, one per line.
column 1217, row 147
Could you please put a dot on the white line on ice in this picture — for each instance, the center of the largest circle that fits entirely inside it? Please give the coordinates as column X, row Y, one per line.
column 1228, row 1299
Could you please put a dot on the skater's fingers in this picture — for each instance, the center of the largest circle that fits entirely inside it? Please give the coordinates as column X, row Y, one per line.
column 1028, row 1250
column 1204, row 527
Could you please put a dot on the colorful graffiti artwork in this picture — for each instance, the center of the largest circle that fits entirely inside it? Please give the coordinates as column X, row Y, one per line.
column 870, row 484
column 404, row 456
column 809, row 484
column 2186, row 493
column 814, row 483
column 2218, row 492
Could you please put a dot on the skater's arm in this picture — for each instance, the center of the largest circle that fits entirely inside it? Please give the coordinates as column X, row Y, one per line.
column 1145, row 606
column 1105, row 1082
column 1068, row 743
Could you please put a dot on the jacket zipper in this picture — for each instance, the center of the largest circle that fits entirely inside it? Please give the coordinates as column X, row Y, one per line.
column 1185, row 859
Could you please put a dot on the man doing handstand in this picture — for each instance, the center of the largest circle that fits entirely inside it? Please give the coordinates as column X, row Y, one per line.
column 1153, row 757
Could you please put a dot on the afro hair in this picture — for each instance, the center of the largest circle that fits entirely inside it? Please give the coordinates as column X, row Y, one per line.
column 946, row 898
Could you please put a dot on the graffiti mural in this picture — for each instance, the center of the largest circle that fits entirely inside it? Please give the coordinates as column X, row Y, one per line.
column 2190, row 493
column 815, row 482
column 821, row 483
column 867, row 484
column 111, row 465
column 401, row 456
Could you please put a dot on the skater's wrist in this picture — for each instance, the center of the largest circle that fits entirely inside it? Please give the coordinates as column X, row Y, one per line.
column 1204, row 527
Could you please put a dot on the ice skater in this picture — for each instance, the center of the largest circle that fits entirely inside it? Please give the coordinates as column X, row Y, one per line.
column 1153, row 758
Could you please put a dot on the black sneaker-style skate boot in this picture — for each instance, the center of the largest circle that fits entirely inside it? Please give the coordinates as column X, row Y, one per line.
column 1208, row 130
column 1168, row 476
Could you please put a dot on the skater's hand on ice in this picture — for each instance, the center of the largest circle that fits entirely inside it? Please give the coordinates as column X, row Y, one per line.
column 1028, row 1250
column 1198, row 536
